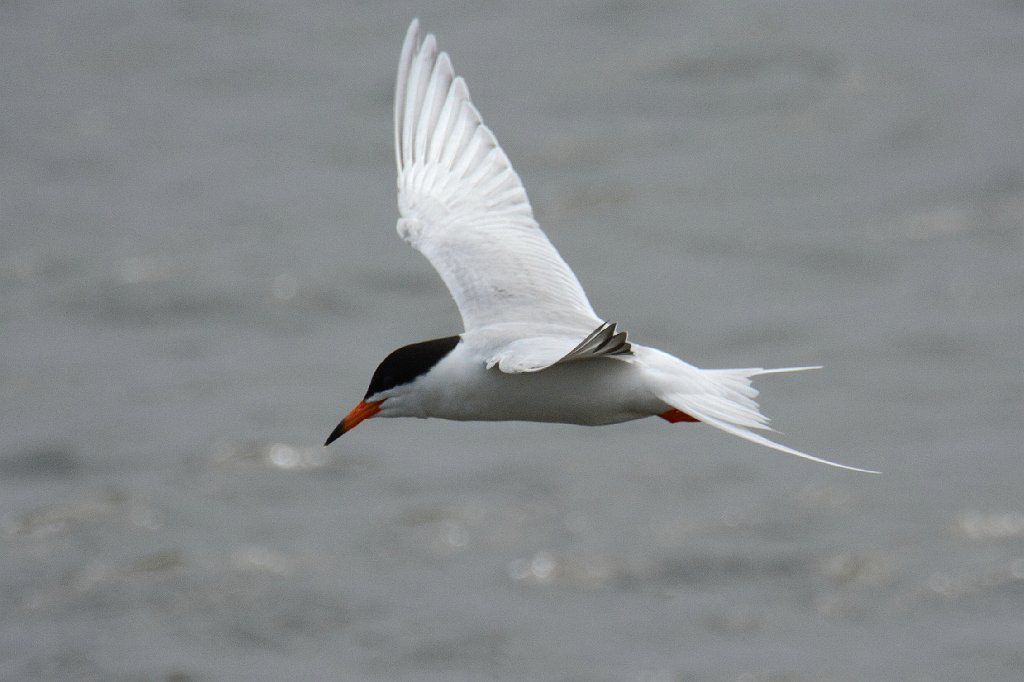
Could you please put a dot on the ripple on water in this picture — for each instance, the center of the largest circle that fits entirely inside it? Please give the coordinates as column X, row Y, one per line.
column 276, row 455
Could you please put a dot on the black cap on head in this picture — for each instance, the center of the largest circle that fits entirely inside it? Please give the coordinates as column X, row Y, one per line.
column 409, row 362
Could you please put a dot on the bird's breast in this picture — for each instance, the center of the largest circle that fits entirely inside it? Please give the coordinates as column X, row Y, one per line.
column 591, row 392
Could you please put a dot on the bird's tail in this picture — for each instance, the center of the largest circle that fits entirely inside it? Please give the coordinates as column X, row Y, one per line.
column 725, row 399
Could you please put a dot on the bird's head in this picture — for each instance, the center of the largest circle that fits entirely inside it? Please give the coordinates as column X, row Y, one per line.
column 398, row 369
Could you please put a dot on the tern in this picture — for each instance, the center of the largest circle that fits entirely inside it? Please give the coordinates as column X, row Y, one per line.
column 533, row 348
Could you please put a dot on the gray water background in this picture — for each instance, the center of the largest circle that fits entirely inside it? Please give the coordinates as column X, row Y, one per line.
column 199, row 272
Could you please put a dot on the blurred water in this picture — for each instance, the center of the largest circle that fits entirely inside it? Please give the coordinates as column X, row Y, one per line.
column 199, row 272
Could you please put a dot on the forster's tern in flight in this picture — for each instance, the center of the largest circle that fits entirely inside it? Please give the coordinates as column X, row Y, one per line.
column 533, row 348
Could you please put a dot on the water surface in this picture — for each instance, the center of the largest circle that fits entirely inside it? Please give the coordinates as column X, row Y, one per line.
column 199, row 272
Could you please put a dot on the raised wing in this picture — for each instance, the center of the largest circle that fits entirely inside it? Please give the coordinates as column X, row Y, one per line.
column 465, row 209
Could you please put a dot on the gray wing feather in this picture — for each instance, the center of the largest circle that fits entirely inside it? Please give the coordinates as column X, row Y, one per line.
column 603, row 341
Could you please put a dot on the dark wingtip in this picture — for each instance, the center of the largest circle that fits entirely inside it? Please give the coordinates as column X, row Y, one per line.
column 335, row 434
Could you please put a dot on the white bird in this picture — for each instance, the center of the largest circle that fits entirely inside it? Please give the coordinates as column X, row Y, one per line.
column 533, row 348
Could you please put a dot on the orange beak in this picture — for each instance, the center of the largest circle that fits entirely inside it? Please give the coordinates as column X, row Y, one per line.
column 364, row 410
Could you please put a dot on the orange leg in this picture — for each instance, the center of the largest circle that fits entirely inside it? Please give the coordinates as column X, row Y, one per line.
column 675, row 416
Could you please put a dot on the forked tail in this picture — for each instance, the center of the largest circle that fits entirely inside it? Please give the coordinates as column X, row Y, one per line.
column 725, row 399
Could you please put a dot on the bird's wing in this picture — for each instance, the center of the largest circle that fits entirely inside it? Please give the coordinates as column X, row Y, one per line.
column 464, row 207
column 531, row 351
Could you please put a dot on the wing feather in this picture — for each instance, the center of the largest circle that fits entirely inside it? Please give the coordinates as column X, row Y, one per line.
column 536, row 352
column 464, row 207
